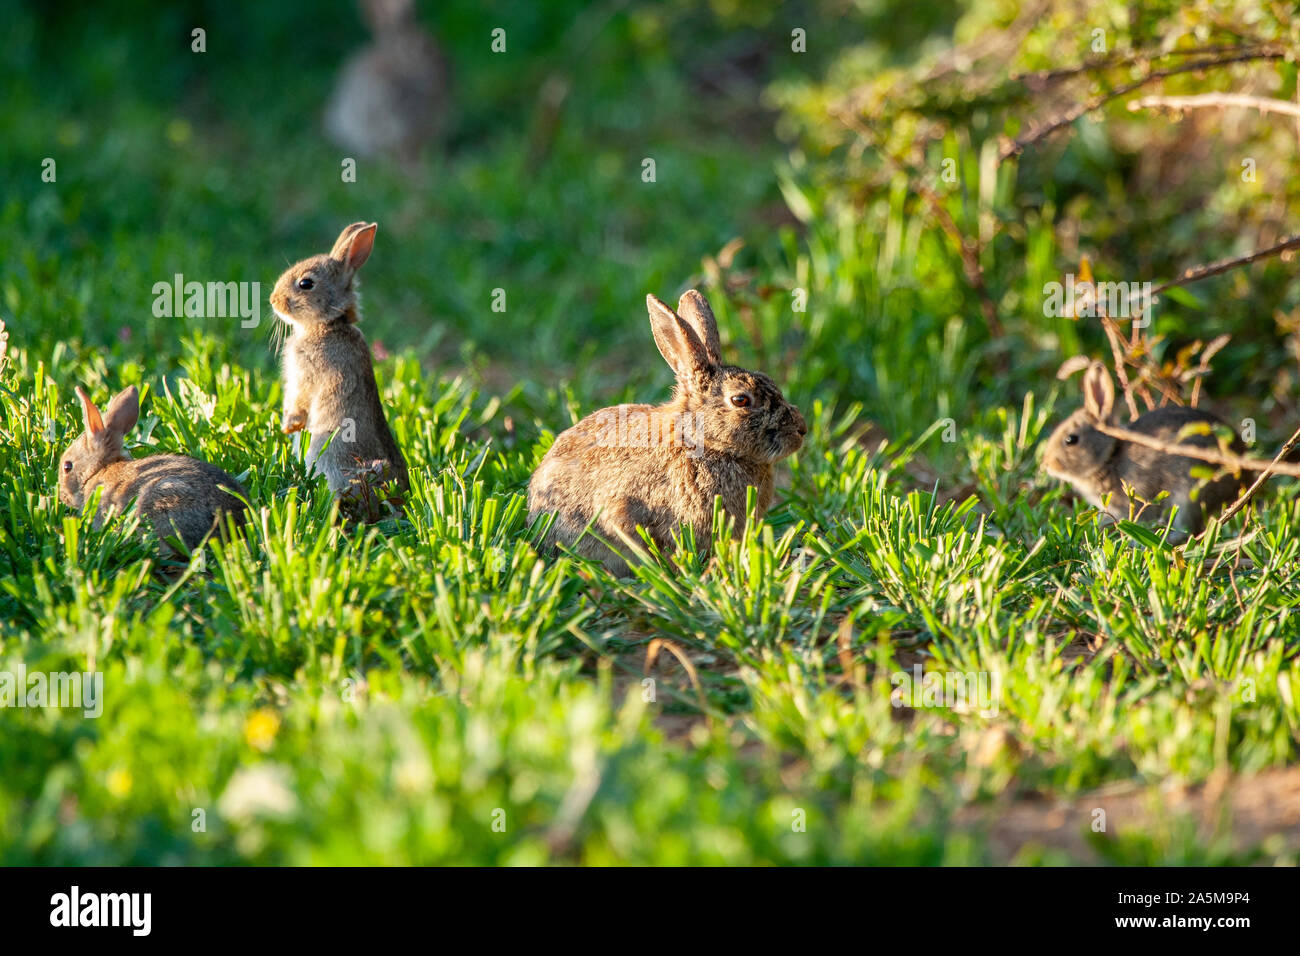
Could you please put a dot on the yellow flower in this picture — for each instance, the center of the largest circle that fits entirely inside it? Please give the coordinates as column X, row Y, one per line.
column 261, row 729
column 119, row 783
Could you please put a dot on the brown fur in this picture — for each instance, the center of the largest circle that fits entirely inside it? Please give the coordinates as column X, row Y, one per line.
column 661, row 466
column 393, row 95
column 1099, row 467
column 329, row 380
column 180, row 496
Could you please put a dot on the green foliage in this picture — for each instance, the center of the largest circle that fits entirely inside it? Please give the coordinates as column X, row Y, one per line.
column 884, row 149
column 329, row 694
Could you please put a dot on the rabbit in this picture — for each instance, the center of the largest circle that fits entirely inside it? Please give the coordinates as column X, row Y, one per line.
column 1104, row 470
column 180, row 496
column 661, row 466
column 329, row 381
column 393, row 95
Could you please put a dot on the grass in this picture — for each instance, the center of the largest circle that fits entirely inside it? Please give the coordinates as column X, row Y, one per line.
column 431, row 690
column 377, row 695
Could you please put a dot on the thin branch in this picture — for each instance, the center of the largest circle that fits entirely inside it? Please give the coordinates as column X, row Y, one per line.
column 967, row 249
column 1208, row 352
column 1017, row 146
column 1115, row 337
column 652, row 654
column 1263, row 476
column 1043, row 78
column 1002, row 43
column 1216, row 100
column 1297, row 121
column 1112, row 334
column 1235, row 462
column 1197, row 273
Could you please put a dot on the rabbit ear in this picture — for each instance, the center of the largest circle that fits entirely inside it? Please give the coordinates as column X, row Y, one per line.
column 123, row 411
column 1098, row 392
column 678, row 342
column 694, row 308
column 352, row 248
column 385, row 14
column 90, row 414
column 344, row 240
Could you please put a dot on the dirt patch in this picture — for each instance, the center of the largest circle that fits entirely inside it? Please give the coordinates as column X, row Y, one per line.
column 676, row 711
column 1249, row 810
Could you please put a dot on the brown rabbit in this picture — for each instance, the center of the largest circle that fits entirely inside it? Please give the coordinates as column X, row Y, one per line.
column 180, row 496
column 329, row 381
column 661, row 466
column 1104, row 470
column 393, row 95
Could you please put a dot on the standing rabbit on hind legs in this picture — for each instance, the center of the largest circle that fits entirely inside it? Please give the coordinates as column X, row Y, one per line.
column 329, row 380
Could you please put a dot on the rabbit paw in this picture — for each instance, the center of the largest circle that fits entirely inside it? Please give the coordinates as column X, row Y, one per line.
column 294, row 423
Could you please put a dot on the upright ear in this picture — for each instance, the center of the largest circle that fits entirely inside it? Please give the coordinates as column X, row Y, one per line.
column 90, row 414
column 1098, row 392
column 344, row 240
column 694, row 308
column 123, row 411
column 678, row 342
column 352, row 248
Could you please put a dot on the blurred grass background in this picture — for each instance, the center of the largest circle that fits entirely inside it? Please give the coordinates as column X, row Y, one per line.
column 215, row 165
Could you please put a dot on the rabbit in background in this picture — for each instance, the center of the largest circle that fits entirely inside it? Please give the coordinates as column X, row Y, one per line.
column 393, row 95
column 181, row 497
column 1123, row 477
column 661, row 466
column 329, row 379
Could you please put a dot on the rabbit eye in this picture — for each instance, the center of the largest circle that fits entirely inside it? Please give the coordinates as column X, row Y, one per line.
column 741, row 400
column 305, row 283
column 67, row 467
column 1071, row 439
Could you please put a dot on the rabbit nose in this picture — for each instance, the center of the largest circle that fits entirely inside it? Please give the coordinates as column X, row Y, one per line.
column 800, row 424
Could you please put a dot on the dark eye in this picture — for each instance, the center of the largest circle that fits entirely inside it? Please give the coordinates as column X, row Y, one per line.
column 1071, row 439
column 305, row 283
column 67, row 466
column 740, row 400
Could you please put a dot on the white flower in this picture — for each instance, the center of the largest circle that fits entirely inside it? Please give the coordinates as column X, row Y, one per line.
column 259, row 791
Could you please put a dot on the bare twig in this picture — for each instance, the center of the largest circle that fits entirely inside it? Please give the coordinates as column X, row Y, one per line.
column 1235, row 462
column 1088, row 286
column 1203, row 369
column 1297, row 120
column 1197, row 273
column 1042, row 78
column 1113, row 334
column 1215, row 101
column 1017, row 146
column 968, row 249
column 1000, row 43
column 652, row 654
column 1263, row 476
column 852, row 673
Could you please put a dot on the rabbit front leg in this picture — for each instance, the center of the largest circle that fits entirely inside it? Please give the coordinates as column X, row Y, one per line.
column 297, row 401
column 295, row 409
column 294, row 421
